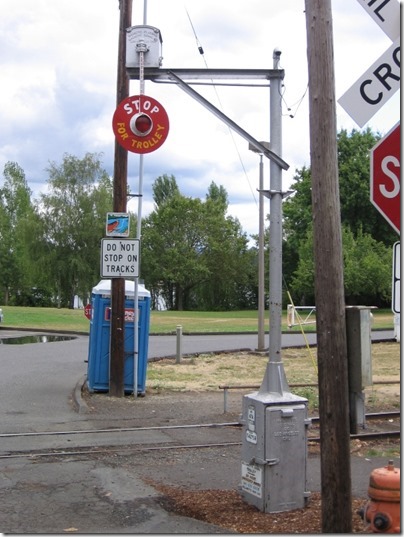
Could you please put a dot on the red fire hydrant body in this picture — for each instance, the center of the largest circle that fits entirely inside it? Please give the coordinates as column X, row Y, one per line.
column 382, row 512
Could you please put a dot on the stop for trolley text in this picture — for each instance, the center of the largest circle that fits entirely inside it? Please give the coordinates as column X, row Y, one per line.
column 150, row 141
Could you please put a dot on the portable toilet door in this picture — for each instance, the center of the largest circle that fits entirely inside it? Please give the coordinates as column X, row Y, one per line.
column 100, row 330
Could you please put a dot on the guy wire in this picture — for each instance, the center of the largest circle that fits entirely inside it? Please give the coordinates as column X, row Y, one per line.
column 202, row 53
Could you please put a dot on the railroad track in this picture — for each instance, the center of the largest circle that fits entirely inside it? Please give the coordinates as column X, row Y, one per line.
column 375, row 434
column 133, row 448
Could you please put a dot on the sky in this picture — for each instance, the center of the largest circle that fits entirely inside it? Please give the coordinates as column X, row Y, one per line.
column 58, row 61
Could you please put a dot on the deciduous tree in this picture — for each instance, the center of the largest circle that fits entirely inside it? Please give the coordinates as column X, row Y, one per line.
column 74, row 218
column 359, row 218
column 16, row 214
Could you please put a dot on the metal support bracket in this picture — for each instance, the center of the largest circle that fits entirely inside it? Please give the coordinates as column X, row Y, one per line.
column 229, row 122
column 171, row 75
column 162, row 75
column 270, row 193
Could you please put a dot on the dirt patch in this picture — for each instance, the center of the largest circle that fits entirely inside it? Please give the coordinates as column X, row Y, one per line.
column 227, row 509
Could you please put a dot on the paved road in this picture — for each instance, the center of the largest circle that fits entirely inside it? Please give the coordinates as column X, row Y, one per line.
column 37, row 379
column 162, row 346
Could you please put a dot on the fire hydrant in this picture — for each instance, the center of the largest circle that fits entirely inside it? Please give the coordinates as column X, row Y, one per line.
column 382, row 511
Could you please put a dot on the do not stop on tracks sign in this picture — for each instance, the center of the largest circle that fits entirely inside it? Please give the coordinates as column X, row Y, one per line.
column 385, row 177
column 140, row 124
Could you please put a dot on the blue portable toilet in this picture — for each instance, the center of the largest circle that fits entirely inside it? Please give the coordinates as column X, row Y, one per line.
column 99, row 341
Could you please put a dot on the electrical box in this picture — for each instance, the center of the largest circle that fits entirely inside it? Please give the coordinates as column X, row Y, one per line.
column 274, row 451
column 146, row 39
column 359, row 346
column 359, row 342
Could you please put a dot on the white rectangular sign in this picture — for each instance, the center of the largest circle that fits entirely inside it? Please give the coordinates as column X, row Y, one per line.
column 119, row 258
column 385, row 13
column 375, row 87
column 251, row 479
column 396, row 287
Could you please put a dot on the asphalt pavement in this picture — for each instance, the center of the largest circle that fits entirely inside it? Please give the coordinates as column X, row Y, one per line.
column 37, row 378
column 166, row 345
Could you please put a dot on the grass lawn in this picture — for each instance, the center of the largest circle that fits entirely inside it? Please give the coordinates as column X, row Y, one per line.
column 205, row 372
column 161, row 322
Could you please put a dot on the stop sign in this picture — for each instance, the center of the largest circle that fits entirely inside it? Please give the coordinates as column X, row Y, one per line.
column 87, row 311
column 385, row 177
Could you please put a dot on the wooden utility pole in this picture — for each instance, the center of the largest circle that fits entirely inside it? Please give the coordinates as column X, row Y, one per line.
column 329, row 281
column 117, row 336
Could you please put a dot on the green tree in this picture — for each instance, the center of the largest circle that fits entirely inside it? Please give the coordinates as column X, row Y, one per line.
column 357, row 210
column 73, row 223
column 164, row 188
column 16, row 215
column 218, row 197
column 192, row 254
column 357, row 213
column 367, row 270
column 172, row 243
column 232, row 268
column 298, row 217
column 301, row 284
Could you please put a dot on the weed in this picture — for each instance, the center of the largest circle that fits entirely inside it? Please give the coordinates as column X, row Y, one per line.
column 388, row 453
column 309, row 393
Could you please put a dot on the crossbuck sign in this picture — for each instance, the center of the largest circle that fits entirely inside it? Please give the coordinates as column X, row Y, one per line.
column 380, row 82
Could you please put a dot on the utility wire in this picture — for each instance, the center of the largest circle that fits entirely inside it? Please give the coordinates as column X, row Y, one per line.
column 198, row 44
column 296, row 104
column 202, row 53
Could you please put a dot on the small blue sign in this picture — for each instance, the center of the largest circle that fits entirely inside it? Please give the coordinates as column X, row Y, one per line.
column 117, row 225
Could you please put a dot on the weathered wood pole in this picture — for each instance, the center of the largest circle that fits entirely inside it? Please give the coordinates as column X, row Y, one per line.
column 329, row 281
column 117, row 336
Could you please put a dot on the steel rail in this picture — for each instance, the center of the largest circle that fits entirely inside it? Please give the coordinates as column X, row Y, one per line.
column 125, row 450
column 119, row 430
column 103, row 451
column 365, row 436
column 370, row 416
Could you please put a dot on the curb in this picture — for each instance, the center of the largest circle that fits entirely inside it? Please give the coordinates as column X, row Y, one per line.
column 80, row 405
